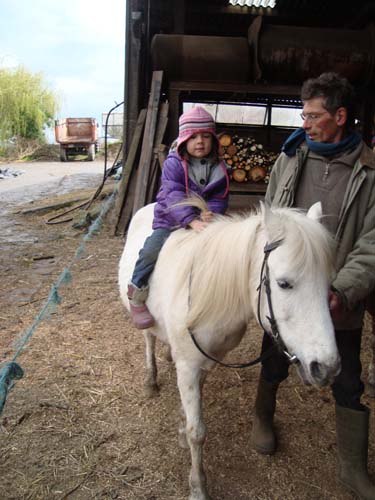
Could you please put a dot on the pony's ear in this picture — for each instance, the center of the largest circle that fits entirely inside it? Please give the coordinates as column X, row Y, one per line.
column 265, row 209
column 315, row 211
column 271, row 221
column 262, row 207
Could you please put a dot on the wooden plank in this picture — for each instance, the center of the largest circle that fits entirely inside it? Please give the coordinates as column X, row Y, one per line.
column 237, row 88
column 247, row 187
column 162, row 124
column 174, row 114
column 148, row 142
column 154, row 169
column 162, row 154
column 123, row 189
column 133, row 80
column 127, row 211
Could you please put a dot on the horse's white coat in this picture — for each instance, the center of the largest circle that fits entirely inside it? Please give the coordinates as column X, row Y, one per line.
column 208, row 282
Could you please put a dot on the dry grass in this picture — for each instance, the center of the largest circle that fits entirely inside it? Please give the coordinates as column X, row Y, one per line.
column 78, row 427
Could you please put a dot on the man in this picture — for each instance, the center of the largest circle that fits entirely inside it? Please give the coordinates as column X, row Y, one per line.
column 327, row 161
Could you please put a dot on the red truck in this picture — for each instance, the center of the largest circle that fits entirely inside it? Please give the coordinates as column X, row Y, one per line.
column 77, row 136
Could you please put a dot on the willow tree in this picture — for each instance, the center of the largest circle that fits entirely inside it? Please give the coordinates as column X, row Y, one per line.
column 27, row 105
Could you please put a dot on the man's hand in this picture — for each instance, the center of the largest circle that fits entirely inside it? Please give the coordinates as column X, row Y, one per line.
column 335, row 304
column 334, row 301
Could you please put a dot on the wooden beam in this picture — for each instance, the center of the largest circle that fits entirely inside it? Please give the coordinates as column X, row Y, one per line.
column 122, row 216
column 155, row 166
column 148, row 142
column 132, row 78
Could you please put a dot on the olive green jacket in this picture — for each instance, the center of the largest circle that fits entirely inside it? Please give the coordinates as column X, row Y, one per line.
column 355, row 235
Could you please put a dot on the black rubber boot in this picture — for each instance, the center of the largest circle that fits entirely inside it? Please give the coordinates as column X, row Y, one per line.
column 263, row 437
column 352, row 428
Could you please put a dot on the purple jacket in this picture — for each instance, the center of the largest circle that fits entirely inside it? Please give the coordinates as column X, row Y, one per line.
column 176, row 186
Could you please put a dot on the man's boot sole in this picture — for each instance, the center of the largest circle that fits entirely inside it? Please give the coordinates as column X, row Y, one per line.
column 263, row 450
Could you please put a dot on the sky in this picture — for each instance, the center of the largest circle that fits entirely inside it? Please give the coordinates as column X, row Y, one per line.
column 78, row 46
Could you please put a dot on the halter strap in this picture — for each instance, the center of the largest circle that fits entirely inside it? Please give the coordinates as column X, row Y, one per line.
column 275, row 335
column 265, row 280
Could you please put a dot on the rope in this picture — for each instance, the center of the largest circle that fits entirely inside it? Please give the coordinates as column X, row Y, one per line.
column 11, row 371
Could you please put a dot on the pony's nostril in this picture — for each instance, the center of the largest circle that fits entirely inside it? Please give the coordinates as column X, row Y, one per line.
column 316, row 370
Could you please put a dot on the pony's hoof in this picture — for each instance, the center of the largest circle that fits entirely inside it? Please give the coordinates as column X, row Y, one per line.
column 200, row 496
column 168, row 355
column 151, row 390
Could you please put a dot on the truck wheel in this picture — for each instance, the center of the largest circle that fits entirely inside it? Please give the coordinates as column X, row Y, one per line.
column 63, row 154
column 91, row 152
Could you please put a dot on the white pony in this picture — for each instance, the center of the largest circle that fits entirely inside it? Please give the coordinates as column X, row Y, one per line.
column 206, row 283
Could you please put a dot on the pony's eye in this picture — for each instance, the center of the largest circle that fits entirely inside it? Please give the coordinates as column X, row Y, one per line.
column 285, row 285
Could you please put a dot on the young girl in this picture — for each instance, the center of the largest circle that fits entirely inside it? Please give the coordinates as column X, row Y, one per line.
column 193, row 168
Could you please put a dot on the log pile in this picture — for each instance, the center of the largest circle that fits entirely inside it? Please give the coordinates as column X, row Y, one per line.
column 248, row 160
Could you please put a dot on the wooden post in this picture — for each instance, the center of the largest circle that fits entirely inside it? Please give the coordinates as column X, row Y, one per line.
column 154, row 169
column 148, row 142
column 133, row 79
column 124, row 205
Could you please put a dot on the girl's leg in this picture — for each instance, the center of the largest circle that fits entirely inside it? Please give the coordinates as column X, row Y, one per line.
column 138, row 286
column 148, row 256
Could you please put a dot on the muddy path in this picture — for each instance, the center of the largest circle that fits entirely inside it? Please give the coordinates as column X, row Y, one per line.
column 77, row 426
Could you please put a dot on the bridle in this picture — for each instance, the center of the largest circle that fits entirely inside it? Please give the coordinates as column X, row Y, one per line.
column 265, row 281
column 278, row 343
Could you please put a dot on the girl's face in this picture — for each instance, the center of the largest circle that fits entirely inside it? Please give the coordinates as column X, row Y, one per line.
column 199, row 145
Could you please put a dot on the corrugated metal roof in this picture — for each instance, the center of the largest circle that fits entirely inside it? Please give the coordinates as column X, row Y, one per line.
column 254, row 3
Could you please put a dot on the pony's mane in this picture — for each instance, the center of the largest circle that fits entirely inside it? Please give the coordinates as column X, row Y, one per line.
column 217, row 261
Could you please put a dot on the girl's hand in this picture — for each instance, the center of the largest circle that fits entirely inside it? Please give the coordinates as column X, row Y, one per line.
column 198, row 225
column 206, row 216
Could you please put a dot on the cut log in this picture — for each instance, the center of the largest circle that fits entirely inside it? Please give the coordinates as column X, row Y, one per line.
column 225, row 140
column 232, row 150
column 239, row 175
column 257, row 174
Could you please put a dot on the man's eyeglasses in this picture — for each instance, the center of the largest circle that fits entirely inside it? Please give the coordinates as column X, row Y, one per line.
column 312, row 117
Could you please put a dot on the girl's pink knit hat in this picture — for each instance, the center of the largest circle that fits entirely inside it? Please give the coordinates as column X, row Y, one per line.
column 194, row 121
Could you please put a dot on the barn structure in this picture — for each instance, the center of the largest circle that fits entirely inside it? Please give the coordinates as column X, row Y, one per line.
column 245, row 61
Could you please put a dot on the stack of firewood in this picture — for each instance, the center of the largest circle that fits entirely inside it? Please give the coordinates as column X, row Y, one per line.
column 247, row 159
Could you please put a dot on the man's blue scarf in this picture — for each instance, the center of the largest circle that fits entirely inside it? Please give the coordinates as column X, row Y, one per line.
column 321, row 148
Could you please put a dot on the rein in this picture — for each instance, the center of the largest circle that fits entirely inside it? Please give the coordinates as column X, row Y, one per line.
column 253, row 362
column 275, row 335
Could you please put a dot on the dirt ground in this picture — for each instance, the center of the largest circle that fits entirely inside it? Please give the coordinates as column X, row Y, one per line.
column 77, row 426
